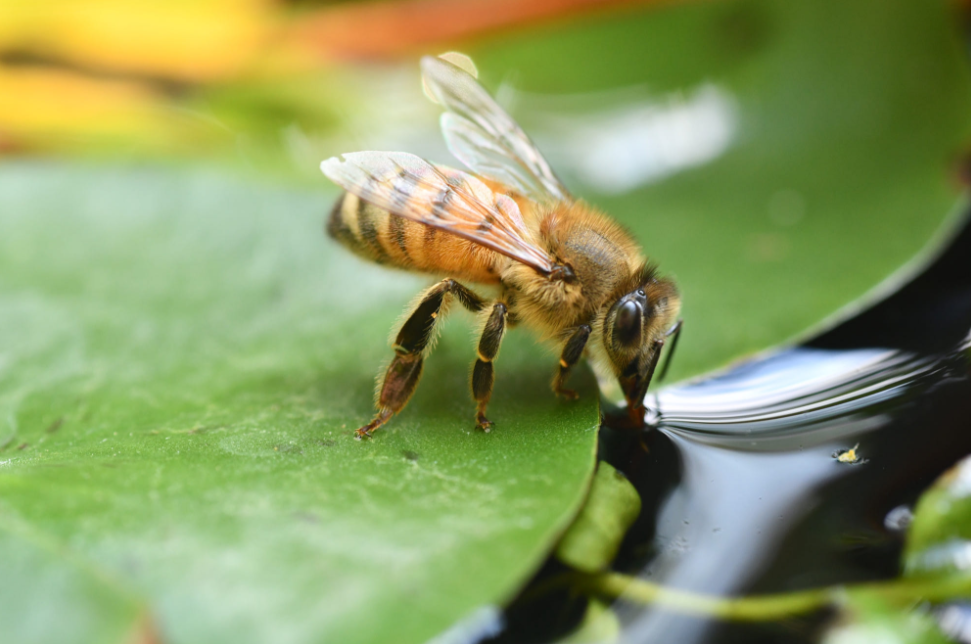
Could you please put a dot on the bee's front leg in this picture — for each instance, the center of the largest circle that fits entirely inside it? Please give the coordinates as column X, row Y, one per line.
column 635, row 383
column 410, row 346
column 570, row 356
column 483, row 375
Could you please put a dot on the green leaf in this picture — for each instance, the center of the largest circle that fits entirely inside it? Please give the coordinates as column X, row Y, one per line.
column 600, row 625
column 591, row 543
column 185, row 359
column 939, row 538
column 47, row 595
column 870, row 618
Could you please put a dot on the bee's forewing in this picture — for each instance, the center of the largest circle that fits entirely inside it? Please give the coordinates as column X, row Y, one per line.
column 484, row 137
column 447, row 199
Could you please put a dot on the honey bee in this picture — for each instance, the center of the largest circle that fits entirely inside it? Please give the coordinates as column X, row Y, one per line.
column 555, row 264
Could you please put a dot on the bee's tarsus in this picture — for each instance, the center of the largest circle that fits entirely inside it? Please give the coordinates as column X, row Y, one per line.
column 368, row 430
column 483, row 423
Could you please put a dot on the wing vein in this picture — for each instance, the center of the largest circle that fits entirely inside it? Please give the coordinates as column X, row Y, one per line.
column 484, row 137
column 446, row 199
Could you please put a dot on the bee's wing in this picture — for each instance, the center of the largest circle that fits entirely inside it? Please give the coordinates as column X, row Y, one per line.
column 484, row 137
column 450, row 200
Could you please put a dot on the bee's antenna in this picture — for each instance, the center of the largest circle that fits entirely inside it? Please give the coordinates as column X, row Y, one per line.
column 676, row 332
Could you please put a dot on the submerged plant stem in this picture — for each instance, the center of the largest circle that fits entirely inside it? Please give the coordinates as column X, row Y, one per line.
column 768, row 607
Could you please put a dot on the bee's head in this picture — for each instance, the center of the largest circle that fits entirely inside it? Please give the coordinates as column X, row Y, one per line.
column 646, row 307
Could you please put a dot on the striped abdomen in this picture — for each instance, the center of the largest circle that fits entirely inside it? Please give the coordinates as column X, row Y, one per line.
column 377, row 235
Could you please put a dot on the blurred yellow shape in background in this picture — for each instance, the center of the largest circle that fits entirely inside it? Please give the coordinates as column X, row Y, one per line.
column 192, row 41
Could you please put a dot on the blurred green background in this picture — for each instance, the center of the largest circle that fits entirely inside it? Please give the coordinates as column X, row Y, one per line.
column 778, row 159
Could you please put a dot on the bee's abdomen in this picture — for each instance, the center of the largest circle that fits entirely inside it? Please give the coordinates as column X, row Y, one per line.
column 377, row 235
column 361, row 228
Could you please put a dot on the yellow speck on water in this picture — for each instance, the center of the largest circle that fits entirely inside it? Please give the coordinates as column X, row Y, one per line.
column 849, row 455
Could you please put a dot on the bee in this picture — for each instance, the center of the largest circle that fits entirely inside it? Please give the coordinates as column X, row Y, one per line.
column 555, row 264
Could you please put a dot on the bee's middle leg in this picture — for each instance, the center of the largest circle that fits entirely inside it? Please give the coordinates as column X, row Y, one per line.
column 570, row 356
column 410, row 346
column 483, row 375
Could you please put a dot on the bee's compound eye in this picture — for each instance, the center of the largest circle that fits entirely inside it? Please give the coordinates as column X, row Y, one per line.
column 627, row 323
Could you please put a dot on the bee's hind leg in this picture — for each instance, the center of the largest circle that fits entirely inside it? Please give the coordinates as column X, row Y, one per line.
column 410, row 346
column 483, row 375
column 570, row 356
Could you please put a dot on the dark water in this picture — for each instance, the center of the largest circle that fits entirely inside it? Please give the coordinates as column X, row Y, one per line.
column 741, row 491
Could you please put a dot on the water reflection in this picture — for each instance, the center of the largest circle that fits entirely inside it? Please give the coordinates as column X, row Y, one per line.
column 713, row 530
column 760, row 502
column 795, row 398
column 754, row 500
